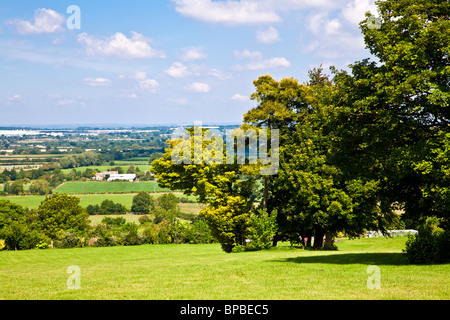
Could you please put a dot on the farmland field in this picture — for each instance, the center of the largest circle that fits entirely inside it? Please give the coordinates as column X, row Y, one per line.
column 205, row 272
column 33, row 202
column 108, row 187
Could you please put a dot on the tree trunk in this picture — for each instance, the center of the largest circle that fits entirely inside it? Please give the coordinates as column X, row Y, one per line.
column 308, row 238
column 318, row 240
column 328, row 241
column 266, row 191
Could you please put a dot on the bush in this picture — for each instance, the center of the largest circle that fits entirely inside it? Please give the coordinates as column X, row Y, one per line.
column 144, row 219
column 262, row 228
column 430, row 245
column 70, row 240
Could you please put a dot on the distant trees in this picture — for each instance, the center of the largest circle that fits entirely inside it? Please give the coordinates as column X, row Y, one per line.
column 88, row 158
column 143, row 202
column 61, row 212
column 40, row 187
column 107, row 207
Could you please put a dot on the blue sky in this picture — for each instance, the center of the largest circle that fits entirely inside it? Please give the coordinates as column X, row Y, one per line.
column 163, row 62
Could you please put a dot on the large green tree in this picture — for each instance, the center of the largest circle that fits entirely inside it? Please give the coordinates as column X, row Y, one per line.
column 225, row 188
column 394, row 123
column 59, row 213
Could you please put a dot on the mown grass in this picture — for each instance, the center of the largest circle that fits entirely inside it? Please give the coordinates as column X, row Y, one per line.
column 159, row 272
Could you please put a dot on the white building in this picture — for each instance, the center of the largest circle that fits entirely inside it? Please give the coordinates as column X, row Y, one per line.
column 122, row 177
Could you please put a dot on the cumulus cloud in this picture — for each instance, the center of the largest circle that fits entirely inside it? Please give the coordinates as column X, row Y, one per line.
column 45, row 21
column 149, row 85
column 119, row 46
column 228, row 12
column 268, row 36
column 239, row 97
column 257, row 62
column 198, row 87
column 192, row 54
column 178, row 70
column 97, row 82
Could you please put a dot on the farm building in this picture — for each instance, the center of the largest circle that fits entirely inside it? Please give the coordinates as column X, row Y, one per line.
column 122, row 177
column 101, row 176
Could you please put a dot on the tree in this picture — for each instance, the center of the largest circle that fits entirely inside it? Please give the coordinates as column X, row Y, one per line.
column 225, row 188
column 168, row 202
column 16, row 187
column 17, row 228
column 143, row 202
column 61, row 212
column 312, row 195
column 394, row 123
column 40, row 187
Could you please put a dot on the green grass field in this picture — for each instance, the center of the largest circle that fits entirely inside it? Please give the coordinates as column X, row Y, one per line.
column 159, row 272
column 33, row 202
column 108, row 187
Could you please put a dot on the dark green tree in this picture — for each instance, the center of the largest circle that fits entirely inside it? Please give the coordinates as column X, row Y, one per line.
column 143, row 203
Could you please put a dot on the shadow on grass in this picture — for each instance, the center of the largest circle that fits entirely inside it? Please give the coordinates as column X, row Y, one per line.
column 370, row 258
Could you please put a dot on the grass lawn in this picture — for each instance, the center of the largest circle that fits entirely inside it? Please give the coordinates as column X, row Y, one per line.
column 108, row 187
column 159, row 272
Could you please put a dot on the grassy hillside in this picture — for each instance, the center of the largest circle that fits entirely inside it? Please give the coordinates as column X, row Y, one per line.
column 206, row 272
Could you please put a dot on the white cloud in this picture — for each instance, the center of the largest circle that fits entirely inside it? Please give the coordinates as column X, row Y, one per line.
column 228, row 12
column 258, row 62
column 355, row 11
column 149, row 84
column 193, row 54
column 119, row 46
column 248, row 54
column 128, row 95
column 239, row 97
column 198, row 87
column 268, row 36
column 178, row 70
column 97, row 82
column 45, row 21
column 15, row 97
column 332, row 26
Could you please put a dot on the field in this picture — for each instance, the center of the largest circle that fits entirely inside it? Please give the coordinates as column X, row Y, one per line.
column 33, row 202
column 108, row 187
column 160, row 272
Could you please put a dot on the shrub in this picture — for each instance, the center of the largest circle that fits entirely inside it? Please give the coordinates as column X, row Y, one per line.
column 261, row 230
column 144, row 219
column 430, row 245
column 70, row 240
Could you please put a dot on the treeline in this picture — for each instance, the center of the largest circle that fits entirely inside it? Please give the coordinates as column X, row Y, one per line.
column 60, row 222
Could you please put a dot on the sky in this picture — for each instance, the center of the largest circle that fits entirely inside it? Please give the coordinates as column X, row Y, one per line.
column 159, row 62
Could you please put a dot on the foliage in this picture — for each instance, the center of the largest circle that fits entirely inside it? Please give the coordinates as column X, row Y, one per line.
column 40, row 187
column 221, row 186
column 61, row 212
column 262, row 228
column 143, row 203
column 107, row 207
column 430, row 245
